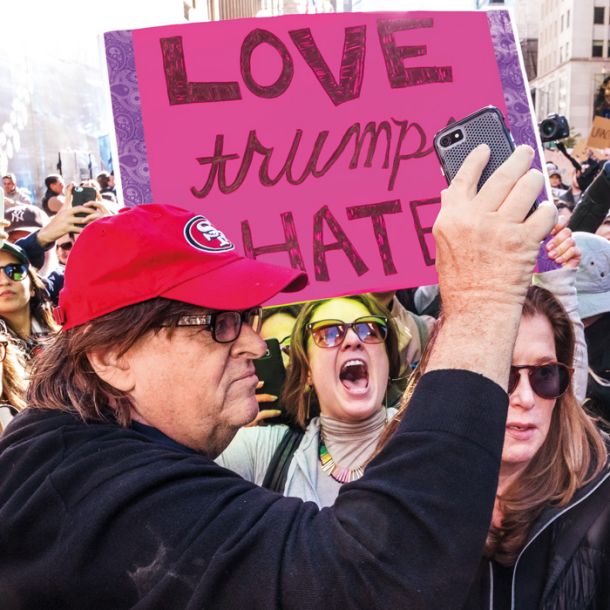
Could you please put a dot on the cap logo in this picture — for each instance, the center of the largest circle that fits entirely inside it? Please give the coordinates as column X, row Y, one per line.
column 17, row 214
column 201, row 234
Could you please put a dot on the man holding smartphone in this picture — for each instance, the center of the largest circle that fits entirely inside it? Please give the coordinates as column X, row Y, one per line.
column 152, row 376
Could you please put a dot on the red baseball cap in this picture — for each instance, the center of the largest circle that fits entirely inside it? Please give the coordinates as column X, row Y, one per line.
column 154, row 250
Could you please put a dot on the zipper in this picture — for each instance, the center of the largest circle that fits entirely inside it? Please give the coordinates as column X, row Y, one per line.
column 560, row 514
column 491, row 585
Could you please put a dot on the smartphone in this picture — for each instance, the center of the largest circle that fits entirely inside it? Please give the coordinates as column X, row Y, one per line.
column 455, row 142
column 270, row 369
column 83, row 194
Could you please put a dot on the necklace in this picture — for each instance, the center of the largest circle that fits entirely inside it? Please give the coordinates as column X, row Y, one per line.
column 341, row 475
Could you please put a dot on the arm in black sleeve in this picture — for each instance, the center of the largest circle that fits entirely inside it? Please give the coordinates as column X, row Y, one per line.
column 594, row 205
column 180, row 531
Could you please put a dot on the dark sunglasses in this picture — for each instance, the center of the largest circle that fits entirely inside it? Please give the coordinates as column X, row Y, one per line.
column 15, row 271
column 547, row 380
column 224, row 325
column 330, row 333
column 67, row 246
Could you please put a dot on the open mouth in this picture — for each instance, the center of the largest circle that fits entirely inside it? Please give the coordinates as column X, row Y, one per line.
column 354, row 376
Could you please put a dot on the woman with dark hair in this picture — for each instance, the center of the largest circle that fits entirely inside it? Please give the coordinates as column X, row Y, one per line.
column 12, row 378
column 548, row 542
column 343, row 357
column 25, row 307
column 53, row 198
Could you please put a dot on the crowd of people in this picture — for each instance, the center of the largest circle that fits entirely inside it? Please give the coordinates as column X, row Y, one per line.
column 444, row 446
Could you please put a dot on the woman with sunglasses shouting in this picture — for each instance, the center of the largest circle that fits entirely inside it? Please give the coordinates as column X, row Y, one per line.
column 343, row 356
column 24, row 305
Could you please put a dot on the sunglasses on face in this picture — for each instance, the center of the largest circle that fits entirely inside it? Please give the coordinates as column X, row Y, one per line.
column 547, row 380
column 67, row 246
column 15, row 271
column 225, row 326
column 330, row 333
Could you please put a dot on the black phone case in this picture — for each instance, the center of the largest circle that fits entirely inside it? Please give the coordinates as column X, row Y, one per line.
column 270, row 369
column 86, row 194
column 486, row 126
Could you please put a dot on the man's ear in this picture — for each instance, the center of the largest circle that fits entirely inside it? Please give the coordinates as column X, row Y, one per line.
column 115, row 370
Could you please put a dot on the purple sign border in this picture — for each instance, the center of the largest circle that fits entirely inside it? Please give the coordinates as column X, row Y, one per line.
column 513, row 85
column 125, row 96
column 133, row 159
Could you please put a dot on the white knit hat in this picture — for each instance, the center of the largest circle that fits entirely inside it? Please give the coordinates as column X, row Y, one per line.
column 593, row 275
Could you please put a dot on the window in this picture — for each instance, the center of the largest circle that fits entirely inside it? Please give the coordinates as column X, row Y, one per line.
column 599, row 14
column 560, row 55
column 561, row 28
column 568, row 19
column 598, row 48
column 567, row 51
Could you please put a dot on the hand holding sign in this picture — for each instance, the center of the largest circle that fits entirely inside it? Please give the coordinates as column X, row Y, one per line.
column 495, row 268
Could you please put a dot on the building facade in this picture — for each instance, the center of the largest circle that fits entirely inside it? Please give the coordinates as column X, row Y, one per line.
column 573, row 59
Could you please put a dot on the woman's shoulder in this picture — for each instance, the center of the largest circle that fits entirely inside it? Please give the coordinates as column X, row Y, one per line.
column 250, row 452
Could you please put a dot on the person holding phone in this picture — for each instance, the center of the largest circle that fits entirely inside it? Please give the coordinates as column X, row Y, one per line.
column 276, row 330
column 152, row 375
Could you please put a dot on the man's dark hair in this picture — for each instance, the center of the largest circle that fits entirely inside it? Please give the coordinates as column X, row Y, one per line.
column 62, row 377
column 51, row 179
column 103, row 179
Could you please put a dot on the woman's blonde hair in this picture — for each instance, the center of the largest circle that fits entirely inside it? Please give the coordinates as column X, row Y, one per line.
column 572, row 454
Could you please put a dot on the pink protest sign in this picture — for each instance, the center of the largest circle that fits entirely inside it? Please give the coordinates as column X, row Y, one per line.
column 308, row 139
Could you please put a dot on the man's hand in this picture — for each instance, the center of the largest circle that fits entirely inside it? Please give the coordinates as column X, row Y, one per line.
column 68, row 221
column 485, row 254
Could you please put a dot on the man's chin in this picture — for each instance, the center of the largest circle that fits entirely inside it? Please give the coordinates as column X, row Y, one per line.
column 251, row 413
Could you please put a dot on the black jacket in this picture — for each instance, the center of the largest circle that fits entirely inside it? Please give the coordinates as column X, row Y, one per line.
column 565, row 563
column 98, row 516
